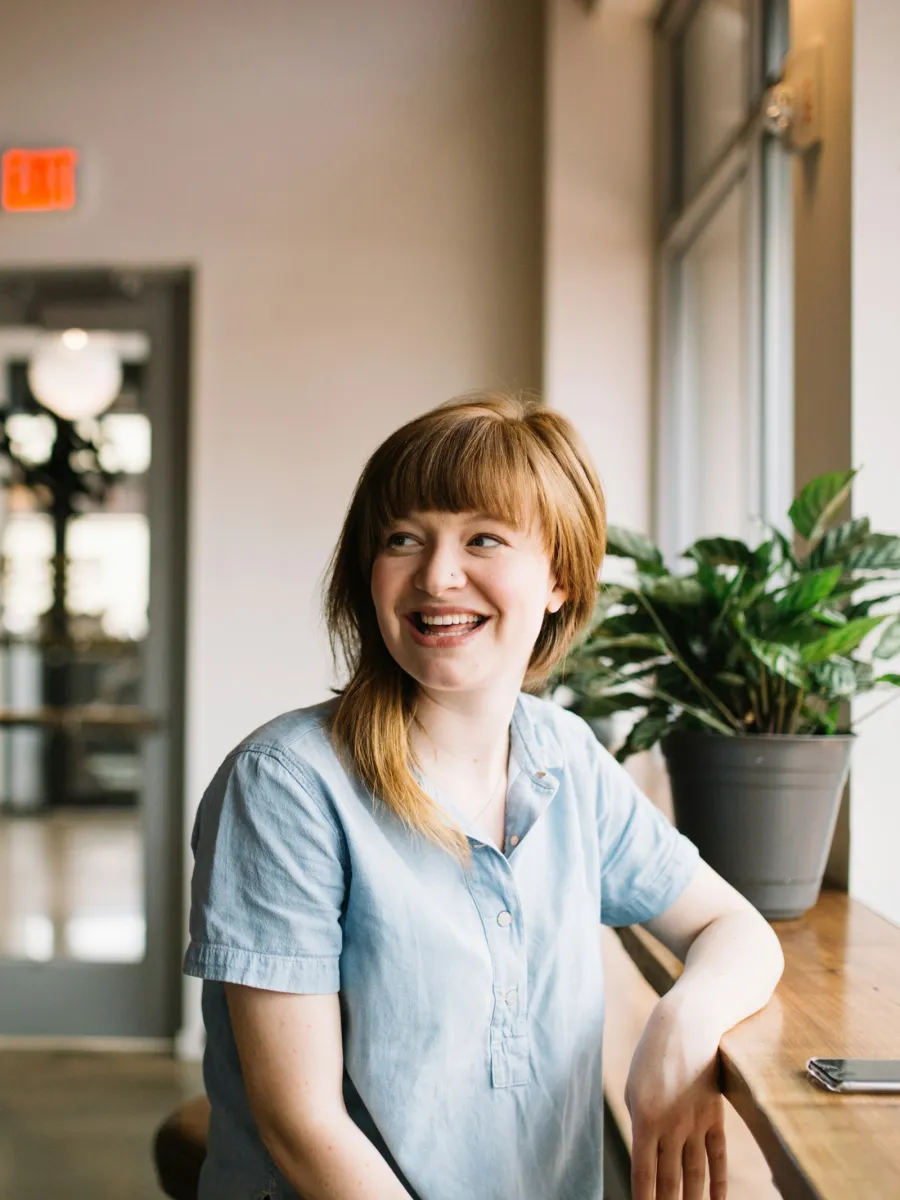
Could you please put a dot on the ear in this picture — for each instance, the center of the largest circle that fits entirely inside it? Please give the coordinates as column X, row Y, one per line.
column 556, row 599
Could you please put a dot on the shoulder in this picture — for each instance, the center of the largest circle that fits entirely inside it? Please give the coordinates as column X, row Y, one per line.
column 296, row 733
column 286, row 766
column 556, row 733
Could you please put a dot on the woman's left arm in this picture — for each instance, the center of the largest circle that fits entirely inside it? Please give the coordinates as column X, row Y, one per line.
column 732, row 962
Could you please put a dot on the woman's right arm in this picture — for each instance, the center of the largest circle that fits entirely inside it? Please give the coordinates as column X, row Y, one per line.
column 292, row 1061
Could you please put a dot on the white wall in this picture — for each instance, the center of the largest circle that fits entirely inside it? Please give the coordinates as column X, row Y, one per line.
column 875, row 811
column 358, row 188
column 599, row 239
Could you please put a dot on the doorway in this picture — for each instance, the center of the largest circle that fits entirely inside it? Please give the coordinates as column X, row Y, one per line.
column 93, row 435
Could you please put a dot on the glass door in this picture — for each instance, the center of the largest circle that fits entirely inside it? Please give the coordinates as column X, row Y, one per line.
column 92, row 485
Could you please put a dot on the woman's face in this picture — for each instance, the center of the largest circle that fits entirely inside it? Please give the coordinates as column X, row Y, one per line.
column 461, row 598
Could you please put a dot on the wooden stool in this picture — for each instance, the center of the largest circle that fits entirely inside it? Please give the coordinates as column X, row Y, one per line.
column 179, row 1149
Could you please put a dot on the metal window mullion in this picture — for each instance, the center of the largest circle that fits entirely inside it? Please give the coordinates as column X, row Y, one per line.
column 778, row 336
column 753, row 369
column 684, row 229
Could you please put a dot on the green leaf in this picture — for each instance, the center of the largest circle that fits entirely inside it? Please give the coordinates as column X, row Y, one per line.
column 731, row 679
column 643, row 735
column 838, row 542
column 764, row 558
column 839, row 641
column 818, row 503
column 612, row 702
column 847, row 587
column 712, row 581
column 862, row 608
column 879, row 552
column 829, row 616
column 891, row 678
column 807, row 591
column 889, row 642
column 627, row 641
column 835, row 677
column 787, row 550
column 719, row 552
column 783, row 661
column 677, row 591
column 622, row 543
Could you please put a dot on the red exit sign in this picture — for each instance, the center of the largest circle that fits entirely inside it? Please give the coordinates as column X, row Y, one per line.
column 38, row 180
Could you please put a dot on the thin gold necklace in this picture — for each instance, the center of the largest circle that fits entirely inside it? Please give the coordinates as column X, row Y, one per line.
column 492, row 798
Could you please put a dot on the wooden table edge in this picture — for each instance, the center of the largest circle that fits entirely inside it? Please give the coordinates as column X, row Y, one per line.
column 660, row 968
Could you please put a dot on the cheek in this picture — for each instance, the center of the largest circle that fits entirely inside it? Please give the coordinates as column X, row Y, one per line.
column 383, row 587
column 524, row 597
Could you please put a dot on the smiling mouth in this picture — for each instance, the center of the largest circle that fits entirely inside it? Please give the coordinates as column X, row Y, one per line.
column 449, row 630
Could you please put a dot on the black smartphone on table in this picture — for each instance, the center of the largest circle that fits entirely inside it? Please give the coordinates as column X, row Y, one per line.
column 856, row 1074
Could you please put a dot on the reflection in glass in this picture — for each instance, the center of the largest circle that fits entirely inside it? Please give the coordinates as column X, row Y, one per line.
column 74, row 596
column 71, row 886
column 713, row 290
column 714, row 91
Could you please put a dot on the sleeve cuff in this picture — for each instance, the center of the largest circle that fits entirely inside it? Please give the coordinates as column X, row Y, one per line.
column 672, row 880
column 305, row 975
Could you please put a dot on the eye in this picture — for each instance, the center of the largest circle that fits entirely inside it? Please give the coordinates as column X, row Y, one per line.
column 399, row 541
column 489, row 537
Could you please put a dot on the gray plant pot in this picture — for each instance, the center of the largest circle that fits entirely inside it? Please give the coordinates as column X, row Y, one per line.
column 761, row 810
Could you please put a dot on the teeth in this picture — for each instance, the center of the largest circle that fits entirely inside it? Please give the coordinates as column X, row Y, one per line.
column 452, row 619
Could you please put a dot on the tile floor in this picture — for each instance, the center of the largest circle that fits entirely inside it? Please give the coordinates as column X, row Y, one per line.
column 80, row 1126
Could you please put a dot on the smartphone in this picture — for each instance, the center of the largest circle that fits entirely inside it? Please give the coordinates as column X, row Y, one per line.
column 856, row 1074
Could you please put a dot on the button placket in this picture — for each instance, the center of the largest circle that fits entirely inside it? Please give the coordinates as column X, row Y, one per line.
column 494, row 891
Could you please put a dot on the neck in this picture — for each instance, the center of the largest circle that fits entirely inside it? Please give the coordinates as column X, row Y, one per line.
column 460, row 735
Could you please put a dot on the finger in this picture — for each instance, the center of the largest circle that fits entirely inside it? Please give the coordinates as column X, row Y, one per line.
column 668, row 1170
column 693, row 1165
column 643, row 1166
column 717, row 1154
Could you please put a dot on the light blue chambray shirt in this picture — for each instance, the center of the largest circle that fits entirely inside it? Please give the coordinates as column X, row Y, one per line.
column 472, row 1000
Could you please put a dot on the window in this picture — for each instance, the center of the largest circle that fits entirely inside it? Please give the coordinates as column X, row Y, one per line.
column 725, row 456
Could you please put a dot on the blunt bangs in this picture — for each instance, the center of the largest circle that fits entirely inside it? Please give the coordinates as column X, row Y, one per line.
column 457, row 462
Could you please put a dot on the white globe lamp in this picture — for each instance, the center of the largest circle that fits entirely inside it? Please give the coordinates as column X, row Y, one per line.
column 75, row 374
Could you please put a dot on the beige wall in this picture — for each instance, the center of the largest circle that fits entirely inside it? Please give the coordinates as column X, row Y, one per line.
column 359, row 190
column 599, row 240
column 875, row 817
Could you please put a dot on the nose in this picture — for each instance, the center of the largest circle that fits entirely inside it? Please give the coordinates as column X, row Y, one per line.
column 440, row 570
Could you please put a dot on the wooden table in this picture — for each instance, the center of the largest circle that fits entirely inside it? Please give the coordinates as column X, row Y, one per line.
column 839, row 998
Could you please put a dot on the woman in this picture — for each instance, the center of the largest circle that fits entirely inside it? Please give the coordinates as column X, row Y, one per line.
column 397, row 893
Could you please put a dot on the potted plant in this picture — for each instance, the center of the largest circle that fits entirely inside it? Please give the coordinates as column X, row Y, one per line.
column 741, row 665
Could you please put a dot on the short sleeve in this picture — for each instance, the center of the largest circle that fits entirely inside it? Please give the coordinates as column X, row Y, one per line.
column 645, row 862
column 269, row 880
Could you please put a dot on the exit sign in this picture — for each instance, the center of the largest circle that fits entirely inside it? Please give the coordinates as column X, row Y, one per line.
column 38, row 180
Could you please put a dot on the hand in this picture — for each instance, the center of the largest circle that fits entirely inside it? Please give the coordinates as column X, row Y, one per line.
column 677, row 1111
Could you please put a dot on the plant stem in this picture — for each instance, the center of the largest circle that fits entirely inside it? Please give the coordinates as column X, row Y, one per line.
column 695, row 680
column 779, row 724
column 659, row 694
column 757, row 719
column 763, row 690
column 795, row 712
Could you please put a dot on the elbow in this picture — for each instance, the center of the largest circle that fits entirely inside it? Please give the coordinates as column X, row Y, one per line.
column 777, row 955
column 300, row 1151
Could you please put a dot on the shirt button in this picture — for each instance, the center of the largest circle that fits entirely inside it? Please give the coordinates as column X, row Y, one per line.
column 514, row 840
column 540, row 774
column 512, row 997
column 504, row 919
